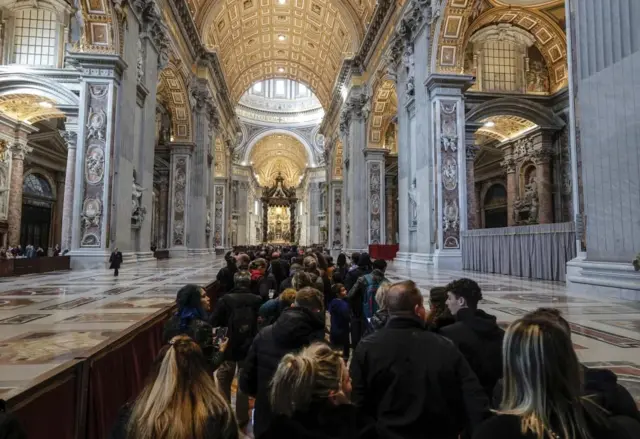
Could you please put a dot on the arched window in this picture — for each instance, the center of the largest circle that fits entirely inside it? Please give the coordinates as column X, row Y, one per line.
column 35, row 185
column 34, row 34
column 504, row 59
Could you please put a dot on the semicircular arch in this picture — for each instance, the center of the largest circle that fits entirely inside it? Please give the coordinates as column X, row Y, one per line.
column 33, row 98
column 522, row 108
column 308, row 148
column 459, row 23
column 172, row 88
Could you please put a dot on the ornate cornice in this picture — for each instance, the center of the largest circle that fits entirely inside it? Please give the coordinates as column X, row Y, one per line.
column 206, row 58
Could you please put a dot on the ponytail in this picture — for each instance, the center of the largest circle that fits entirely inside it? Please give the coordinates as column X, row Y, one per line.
column 311, row 375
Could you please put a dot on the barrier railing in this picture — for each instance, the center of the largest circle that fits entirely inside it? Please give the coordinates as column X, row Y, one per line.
column 82, row 397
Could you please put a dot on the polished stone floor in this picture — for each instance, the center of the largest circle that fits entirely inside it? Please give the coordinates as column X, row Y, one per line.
column 46, row 320
column 49, row 319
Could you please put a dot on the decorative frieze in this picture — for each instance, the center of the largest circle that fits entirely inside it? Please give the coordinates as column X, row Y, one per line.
column 375, row 217
column 179, row 196
column 218, row 215
column 449, row 174
column 94, row 166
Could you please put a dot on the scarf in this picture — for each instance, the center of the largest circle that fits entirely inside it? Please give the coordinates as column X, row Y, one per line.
column 256, row 275
column 188, row 314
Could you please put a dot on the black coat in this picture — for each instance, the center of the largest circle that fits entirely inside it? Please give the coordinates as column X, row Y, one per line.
column 415, row 383
column 352, row 277
column 510, row 427
column 201, row 332
column 295, row 328
column 115, row 260
column 235, row 299
column 225, row 277
column 262, row 286
column 287, row 283
column 323, row 421
column 479, row 338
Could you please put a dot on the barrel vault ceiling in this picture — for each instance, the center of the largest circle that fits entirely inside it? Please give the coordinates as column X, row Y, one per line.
column 303, row 40
column 279, row 153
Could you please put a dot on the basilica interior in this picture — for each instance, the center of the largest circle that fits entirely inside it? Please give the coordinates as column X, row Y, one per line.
column 487, row 138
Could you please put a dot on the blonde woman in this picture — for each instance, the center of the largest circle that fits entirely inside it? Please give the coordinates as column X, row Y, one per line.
column 542, row 395
column 310, row 398
column 179, row 401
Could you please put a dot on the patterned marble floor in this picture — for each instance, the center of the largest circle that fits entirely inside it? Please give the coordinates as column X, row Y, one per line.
column 48, row 319
column 605, row 333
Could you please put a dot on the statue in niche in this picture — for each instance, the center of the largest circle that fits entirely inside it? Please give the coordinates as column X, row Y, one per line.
column 138, row 211
column 537, row 78
column 413, row 204
column 525, row 209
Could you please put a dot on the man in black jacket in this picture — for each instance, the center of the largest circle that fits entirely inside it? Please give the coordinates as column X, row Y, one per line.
column 287, row 283
column 356, row 298
column 475, row 332
column 416, row 384
column 226, row 273
column 238, row 311
column 297, row 327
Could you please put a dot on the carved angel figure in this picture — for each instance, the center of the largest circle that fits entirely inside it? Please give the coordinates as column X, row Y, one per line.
column 413, row 204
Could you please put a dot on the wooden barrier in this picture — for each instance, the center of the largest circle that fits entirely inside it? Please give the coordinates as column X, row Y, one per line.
column 18, row 267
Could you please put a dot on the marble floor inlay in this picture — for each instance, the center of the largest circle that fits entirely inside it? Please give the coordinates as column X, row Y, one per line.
column 49, row 319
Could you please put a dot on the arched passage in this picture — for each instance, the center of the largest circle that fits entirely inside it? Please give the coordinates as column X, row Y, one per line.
column 173, row 92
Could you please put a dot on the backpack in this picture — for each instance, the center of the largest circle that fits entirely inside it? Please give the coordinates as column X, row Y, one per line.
column 369, row 304
column 243, row 327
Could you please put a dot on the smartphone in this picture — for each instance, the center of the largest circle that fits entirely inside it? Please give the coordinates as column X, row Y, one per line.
column 219, row 334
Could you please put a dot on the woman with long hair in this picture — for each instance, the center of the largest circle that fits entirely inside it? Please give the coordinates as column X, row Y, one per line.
column 310, row 398
column 192, row 320
column 542, row 396
column 179, row 401
column 341, row 269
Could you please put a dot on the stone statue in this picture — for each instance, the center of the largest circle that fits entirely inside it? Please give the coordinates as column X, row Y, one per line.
column 413, row 204
column 207, row 228
column 531, row 190
column 533, row 211
column 138, row 211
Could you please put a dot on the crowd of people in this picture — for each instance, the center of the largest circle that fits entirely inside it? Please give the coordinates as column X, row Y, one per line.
column 29, row 252
column 330, row 351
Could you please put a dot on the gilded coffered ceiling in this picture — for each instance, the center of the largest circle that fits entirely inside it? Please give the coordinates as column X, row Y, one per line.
column 527, row 3
column 502, row 128
column 29, row 108
column 385, row 106
column 304, row 40
column 279, row 153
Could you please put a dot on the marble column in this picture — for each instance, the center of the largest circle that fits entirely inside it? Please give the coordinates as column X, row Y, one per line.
column 163, row 217
column 180, row 187
column 471, row 150
column 544, row 180
column 60, row 202
column 447, row 100
column 354, row 125
column 70, row 137
column 375, row 186
column 607, row 104
column 509, row 165
column 204, row 129
column 18, row 150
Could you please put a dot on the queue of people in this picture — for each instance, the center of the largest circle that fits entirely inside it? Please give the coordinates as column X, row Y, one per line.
column 339, row 351
column 28, row 252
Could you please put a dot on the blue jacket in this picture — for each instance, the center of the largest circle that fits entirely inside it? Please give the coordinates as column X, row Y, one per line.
column 340, row 317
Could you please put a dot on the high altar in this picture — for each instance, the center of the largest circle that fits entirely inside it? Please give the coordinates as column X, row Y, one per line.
column 279, row 213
